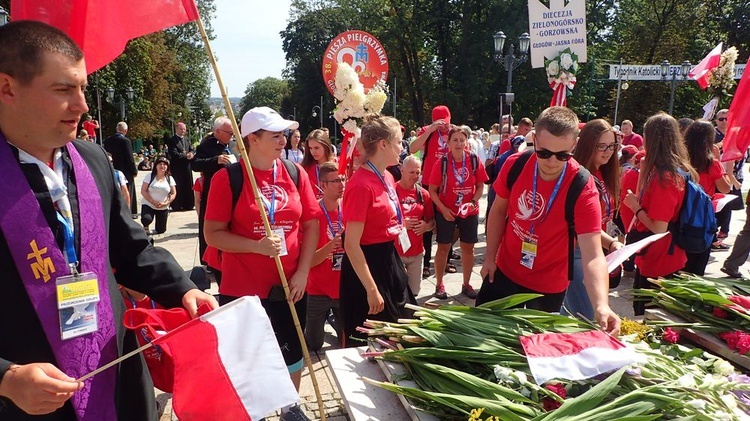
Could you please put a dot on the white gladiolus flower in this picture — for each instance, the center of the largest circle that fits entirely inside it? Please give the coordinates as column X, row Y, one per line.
column 553, row 68
column 697, row 404
column 686, row 380
column 350, row 126
column 502, row 373
column 723, row 367
column 520, row 377
column 566, row 61
column 524, row 391
column 729, row 401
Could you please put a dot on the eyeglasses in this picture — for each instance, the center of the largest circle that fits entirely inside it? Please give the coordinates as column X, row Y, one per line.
column 721, row 119
column 335, row 181
column 229, row 132
column 546, row 154
column 603, row 147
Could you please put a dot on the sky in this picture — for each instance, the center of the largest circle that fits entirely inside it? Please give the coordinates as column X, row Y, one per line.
column 248, row 44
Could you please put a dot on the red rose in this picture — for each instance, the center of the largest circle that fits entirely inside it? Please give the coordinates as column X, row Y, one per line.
column 731, row 338
column 741, row 300
column 720, row 313
column 558, row 388
column 743, row 345
column 550, row 404
column 670, row 335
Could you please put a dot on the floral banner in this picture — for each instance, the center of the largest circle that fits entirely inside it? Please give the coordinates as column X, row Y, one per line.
column 561, row 75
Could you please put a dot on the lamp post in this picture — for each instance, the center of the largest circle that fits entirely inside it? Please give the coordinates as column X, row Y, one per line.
column 667, row 69
column 4, row 16
column 120, row 100
column 511, row 61
column 320, row 111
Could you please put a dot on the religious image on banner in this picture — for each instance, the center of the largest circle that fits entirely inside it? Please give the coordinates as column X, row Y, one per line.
column 355, row 71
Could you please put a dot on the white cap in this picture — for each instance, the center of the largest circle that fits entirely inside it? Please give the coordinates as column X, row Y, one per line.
column 266, row 119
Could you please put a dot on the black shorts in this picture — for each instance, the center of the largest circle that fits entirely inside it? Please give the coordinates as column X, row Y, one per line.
column 283, row 325
column 502, row 287
column 467, row 229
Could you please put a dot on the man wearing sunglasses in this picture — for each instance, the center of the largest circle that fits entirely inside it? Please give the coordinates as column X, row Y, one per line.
column 527, row 232
column 721, row 125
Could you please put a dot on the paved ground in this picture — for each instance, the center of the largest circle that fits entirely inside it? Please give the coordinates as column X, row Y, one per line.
column 181, row 240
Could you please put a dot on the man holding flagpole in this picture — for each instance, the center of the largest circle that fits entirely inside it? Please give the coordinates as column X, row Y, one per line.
column 63, row 229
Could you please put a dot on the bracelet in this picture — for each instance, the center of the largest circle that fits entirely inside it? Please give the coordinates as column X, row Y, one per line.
column 610, row 245
column 638, row 211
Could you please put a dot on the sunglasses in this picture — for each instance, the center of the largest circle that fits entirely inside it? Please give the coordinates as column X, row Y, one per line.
column 601, row 147
column 721, row 119
column 335, row 181
column 546, row 154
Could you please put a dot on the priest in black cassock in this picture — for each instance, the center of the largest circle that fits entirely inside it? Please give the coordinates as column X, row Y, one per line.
column 180, row 153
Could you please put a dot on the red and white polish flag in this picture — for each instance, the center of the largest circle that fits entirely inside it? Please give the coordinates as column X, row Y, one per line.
column 227, row 363
column 701, row 72
column 574, row 356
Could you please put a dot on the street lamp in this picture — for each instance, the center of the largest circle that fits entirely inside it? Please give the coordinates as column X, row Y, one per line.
column 511, row 61
column 4, row 16
column 129, row 93
column 320, row 111
column 666, row 69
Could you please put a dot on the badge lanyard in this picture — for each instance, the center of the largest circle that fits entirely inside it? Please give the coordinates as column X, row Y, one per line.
column 459, row 180
column 394, row 202
column 551, row 198
column 328, row 218
column 317, row 177
column 70, row 249
column 605, row 196
column 271, row 207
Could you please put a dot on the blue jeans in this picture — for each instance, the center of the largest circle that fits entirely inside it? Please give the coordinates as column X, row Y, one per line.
column 576, row 298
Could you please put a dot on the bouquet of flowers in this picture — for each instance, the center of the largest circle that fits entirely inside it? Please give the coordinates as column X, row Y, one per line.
column 352, row 104
column 720, row 81
column 561, row 75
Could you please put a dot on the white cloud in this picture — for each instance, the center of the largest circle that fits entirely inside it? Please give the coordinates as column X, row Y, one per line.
column 247, row 42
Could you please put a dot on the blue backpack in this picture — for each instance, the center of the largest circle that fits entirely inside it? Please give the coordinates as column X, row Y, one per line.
column 696, row 225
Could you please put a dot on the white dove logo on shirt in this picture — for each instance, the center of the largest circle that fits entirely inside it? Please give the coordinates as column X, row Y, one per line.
column 526, row 209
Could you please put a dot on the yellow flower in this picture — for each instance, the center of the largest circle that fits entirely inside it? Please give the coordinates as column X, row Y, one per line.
column 476, row 414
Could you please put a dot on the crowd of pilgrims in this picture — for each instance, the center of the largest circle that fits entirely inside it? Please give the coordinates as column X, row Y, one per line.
column 356, row 243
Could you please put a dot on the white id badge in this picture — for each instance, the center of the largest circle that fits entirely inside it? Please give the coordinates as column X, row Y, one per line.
column 232, row 158
column 403, row 239
column 77, row 298
column 279, row 232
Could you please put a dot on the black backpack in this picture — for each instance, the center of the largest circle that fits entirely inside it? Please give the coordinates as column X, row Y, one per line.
column 579, row 182
column 236, row 179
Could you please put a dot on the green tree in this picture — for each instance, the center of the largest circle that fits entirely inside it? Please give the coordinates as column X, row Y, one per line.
column 266, row 92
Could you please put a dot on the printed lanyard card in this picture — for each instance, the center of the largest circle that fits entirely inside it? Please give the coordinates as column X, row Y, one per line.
column 403, row 239
column 336, row 260
column 279, row 232
column 528, row 253
column 77, row 298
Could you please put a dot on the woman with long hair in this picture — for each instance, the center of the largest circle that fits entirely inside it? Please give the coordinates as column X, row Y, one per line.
column 699, row 140
column 658, row 199
column 236, row 228
column 293, row 150
column 455, row 189
column 374, row 283
column 596, row 150
column 318, row 149
column 158, row 191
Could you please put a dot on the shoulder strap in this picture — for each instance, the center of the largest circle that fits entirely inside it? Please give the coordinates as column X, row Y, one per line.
column 517, row 167
column 292, row 170
column 235, row 182
column 474, row 162
column 420, row 199
column 579, row 182
column 444, row 171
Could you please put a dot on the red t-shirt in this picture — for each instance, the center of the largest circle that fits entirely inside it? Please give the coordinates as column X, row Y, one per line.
column 412, row 208
column 367, row 200
column 251, row 273
column 634, row 139
column 453, row 191
column 662, row 202
column 90, row 128
column 707, row 179
column 504, row 146
column 323, row 280
column 312, row 174
column 198, row 185
column 549, row 273
column 629, row 182
column 435, row 147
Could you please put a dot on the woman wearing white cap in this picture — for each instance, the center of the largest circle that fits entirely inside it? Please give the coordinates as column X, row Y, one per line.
column 237, row 230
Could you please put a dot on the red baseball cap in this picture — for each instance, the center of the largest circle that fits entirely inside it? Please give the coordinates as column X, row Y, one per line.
column 630, row 150
column 441, row 112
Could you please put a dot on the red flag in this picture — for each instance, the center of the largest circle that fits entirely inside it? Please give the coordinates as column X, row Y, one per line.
column 102, row 28
column 702, row 70
column 226, row 364
column 737, row 137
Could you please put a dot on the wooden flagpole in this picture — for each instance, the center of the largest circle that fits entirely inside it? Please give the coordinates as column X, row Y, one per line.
column 264, row 217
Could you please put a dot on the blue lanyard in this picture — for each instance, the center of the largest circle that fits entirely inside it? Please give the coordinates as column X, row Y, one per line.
column 135, row 305
column 551, row 198
column 605, row 196
column 328, row 218
column 271, row 207
column 70, row 248
column 394, row 202
column 460, row 181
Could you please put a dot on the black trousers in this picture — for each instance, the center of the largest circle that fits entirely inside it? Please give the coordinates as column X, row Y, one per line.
column 502, row 287
column 148, row 214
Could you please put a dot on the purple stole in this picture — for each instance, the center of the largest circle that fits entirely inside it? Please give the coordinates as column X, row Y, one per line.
column 40, row 261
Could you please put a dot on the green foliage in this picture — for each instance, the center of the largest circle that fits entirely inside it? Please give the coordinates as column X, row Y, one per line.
column 266, row 92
